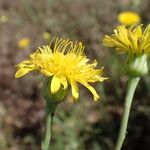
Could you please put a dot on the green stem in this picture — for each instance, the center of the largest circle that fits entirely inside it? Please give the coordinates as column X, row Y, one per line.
column 132, row 84
column 48, row 127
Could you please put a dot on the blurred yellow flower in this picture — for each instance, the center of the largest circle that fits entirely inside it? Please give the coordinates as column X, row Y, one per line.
column 47, row 36
column 129, row 18
column 23, row 43
column 63, row 63
column 3, row 18
column 131, row 40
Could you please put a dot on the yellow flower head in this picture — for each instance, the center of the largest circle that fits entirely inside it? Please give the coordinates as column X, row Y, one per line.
column 23, row 43
column 64, row 63
column 3, row 18
column 47, row 36
column 129, row 18
column 131, row 40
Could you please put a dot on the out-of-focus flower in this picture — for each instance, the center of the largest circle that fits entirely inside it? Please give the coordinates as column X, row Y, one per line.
column 63, row 63
column 23, row 43
column 47, row 36
column 129, row 18
column 134, row 42
column 3, row 18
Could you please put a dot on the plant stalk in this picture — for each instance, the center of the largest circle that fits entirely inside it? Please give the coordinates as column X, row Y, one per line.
column 132, row 84
column 50, row 109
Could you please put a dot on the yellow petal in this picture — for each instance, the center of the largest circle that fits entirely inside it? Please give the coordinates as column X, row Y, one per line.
column 147, row 30
column 64, row 82
column 24, row 64
column 23, row 71
column 138, row 31
column 55, row 85
column 88, row 86
column 74, row 90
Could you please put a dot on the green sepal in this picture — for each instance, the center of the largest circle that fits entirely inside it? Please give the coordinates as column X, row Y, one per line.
column 137, row 66
column 53, row 98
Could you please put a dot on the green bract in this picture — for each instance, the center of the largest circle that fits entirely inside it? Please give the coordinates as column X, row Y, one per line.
column 53, row 98
column 138, row 66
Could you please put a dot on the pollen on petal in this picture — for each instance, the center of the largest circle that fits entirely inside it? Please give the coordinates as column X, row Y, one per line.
column 55, row 85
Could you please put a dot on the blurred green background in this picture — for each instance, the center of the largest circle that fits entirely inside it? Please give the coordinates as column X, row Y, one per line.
column 85, row 125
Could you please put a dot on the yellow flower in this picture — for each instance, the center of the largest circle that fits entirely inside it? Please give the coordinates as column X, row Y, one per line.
column 23, row 43
column 131, row 40
column 129, row 18
column 47, row 36
column 64, row 63
column 134, row 42
column 3, row 18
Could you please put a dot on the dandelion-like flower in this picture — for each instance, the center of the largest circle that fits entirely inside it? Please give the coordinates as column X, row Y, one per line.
column 46, row 36
column 3, row 19
column 23, row 43
column 64, row 63
column 131, row 40
column 134, row 42
column 129, row 18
